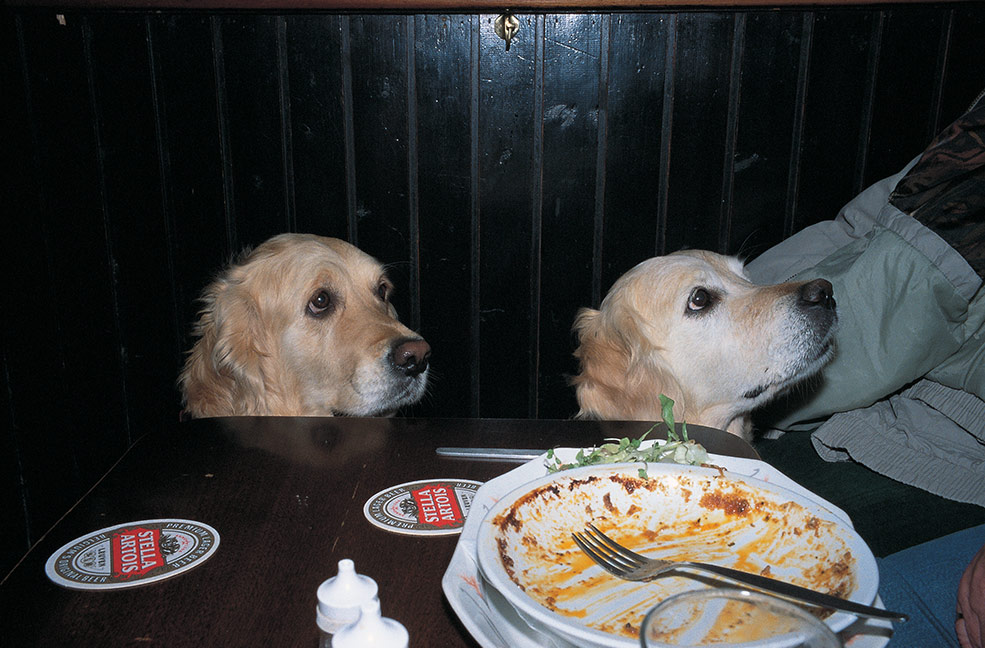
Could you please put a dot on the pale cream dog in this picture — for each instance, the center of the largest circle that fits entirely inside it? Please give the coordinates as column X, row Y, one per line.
column 690, row 325
column 302, row 326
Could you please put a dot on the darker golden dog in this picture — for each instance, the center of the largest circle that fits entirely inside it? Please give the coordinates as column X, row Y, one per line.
column 302, row 325
column 690, row 325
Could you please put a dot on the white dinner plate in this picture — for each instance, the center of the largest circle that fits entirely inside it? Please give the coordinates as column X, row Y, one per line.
column 494, row 623
column 676, row 512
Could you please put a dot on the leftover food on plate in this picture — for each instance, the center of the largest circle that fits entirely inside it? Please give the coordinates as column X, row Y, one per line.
column 676, row 512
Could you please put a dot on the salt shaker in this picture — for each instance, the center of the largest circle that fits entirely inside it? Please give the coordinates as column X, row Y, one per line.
column 372, row 630
column 340, row 597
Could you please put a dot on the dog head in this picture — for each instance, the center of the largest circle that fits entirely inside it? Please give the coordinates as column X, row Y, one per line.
column 302, row 325
column 692, row 326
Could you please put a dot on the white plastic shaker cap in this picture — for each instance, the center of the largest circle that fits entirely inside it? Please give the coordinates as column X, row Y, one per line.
column 340, row 597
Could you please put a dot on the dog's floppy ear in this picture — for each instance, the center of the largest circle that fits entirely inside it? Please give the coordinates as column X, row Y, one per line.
column 224, row 370
column 622, row 374
column 604, row 359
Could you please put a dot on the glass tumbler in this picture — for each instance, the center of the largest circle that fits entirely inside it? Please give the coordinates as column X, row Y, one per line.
column 733, row 618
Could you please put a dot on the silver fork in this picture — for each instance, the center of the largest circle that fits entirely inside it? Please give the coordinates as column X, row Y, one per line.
column 629, row 565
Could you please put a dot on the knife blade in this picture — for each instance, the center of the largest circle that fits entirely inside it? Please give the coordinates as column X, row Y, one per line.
column 510, row 455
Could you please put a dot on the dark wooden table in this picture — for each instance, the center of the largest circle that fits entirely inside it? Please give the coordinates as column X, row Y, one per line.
column 286, row 496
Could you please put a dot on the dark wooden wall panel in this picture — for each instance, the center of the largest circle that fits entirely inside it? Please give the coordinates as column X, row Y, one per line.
column 380, row 109
column 701, row 101
column 82, row 290
column 191, row 160
column 504, row 188
column 137, row 233
column 573, row 60
column 766, row 130
column 252, row 126
column 834, row 107
column 510, row 95
column 447, row 167
column 314, row 50
column 962, row 80
column 909, row 48
column 637, row 144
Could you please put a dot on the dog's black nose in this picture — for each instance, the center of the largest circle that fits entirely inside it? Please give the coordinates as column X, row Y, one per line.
column 410, row 356
column 818, row 292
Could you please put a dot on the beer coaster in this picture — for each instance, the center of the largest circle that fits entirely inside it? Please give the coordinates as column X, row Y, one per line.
column 131, row 554
column 426, row 507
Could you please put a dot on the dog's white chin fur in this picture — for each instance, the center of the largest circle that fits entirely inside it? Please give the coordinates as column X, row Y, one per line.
column 742, row 426
column 382, row 394
column 802, row 371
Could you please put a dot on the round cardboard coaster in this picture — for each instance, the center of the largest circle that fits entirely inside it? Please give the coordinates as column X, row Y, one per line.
column 131, row 554
column 425, row 507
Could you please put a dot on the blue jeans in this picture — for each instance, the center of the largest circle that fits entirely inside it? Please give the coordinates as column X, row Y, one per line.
column 922, row 581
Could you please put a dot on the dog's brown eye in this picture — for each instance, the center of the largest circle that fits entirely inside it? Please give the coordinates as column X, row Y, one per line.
column 320, row 303
column 383, row 291
column 698, row 300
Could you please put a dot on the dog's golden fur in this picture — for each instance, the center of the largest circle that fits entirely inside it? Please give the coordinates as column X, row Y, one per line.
column 690, row 325
column 302, row 326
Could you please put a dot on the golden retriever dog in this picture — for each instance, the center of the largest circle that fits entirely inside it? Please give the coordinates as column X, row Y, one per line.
column 690, row 325
column 302, row 326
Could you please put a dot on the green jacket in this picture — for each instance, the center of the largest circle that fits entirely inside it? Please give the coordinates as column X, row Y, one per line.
column 905, row 392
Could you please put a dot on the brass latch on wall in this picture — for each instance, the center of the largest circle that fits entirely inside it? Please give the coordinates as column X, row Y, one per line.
column 506, row 26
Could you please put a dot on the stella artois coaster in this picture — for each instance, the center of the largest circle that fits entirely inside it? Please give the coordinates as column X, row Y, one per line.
column 135, row 553
column 426, row 507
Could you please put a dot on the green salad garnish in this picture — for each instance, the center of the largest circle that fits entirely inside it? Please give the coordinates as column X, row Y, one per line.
column 676, row 449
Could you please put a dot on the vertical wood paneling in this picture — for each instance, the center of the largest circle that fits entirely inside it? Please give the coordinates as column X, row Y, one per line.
column 379, row 101
column 601, row 168
column 868, row 100
column 190, row 156
column 130, row 165
column 413, row 252
column 475, row 214
column 902, row 110
column 347, row 126
column 765, row 127
column 314, row 52
column 962, row 77
column 943, row 48
column 833, row 114
column 225, row 140
column 792, row 200
column 286, row 123
column 251, row 72
column 536, row 218
column 505, row 140
column 701, row 99
column 444, row 64
column 638, row 44
column 731, row 126
column 666, row 133
column 572, row 63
